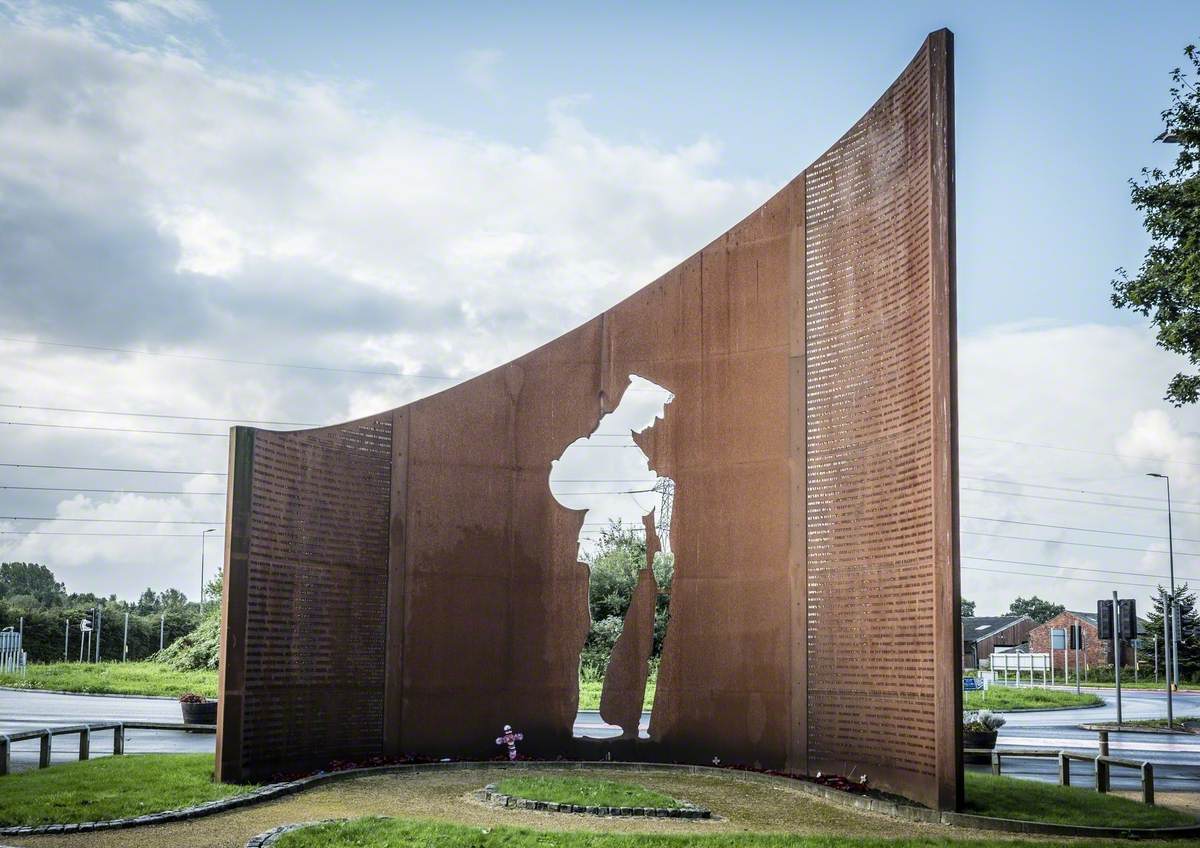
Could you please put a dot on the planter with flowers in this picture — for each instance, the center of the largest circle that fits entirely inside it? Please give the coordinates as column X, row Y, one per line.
column 979, row 732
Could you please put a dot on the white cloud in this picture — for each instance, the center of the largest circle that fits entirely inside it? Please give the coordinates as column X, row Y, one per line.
column 478, row 69
column 152, row 199
column 158, row 13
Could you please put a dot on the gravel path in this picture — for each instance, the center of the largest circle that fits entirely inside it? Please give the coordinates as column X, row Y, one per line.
column 743, row 806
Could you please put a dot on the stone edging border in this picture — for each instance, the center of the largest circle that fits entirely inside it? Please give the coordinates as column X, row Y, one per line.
column 270, row 837
column 904, row 812
column 685, row 810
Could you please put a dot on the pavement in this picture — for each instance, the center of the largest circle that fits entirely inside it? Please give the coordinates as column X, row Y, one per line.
column 1176, row 758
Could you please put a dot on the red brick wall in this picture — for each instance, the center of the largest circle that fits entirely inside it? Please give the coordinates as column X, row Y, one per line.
column 1095, row 652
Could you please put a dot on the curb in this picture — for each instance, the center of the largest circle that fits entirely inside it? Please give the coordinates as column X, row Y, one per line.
column 1160, row 731
column 87, row 694
column 893, row 809
column 270, row 837
column 685, row 810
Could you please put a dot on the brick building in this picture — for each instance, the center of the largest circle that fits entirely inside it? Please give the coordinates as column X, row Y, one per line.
column 1095, row 652
column 983, row 634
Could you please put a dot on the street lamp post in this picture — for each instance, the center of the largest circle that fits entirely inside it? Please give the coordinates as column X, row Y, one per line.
column 1171, row 642
column 203, row 536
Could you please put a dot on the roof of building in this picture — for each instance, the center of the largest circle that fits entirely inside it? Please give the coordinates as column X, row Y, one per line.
column 983, row 626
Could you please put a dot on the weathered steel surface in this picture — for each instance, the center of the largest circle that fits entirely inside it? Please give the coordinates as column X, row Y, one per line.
column 812, row 445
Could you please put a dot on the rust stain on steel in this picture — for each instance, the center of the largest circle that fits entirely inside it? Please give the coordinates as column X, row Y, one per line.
column 408, row 583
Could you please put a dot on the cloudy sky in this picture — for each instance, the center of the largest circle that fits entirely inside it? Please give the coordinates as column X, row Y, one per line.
column 269, row 212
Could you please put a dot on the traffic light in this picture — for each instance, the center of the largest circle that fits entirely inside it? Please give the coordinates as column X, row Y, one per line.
column 1075, row 637
column 1104, row 619
column 1128, row 615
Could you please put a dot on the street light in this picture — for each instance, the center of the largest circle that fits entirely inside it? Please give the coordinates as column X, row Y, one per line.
column 1168, row 620
column 202, row 537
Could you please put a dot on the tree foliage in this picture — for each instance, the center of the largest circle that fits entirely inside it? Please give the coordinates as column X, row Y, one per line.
column 1189, row 631
column 967, row 609
column 1167, row 285
column 33, row 580
column 1039, row 610
column 616, row 563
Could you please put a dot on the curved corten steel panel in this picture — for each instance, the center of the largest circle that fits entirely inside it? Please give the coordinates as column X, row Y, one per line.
column 408, row 583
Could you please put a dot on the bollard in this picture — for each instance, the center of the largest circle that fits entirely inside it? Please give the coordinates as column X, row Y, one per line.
column 996, row 763
column 44, row 752
column 5, row 753
column 85, row 743
column 1148, row 784
column 1104, row 743
column 1064, row 769
column 118, row 740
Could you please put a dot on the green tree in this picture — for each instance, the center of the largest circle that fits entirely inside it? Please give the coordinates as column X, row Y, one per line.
column 967, row 609
column 1167, row 285
column 616, row 563
column 30, row 578
column 1039, row 610
column 1189, row 635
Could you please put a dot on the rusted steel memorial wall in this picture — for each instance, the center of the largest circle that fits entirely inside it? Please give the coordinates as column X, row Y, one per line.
column 407, row 583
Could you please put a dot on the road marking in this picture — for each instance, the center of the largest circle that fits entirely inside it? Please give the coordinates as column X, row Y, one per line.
column 1115, row 745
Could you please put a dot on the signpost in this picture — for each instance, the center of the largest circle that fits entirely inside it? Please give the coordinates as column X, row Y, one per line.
column 1076, row 642
column 1116, row 620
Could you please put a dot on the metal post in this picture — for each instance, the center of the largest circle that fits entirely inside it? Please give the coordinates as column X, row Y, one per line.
column 1116, row 641
column 5, row 753
column 1167, row 644
column 125, row 640
column 1148, row 783
column 85, row 743
column 1172, row 656
column 162, row 626
column 996, row 762
column 1101, row 766
column 1156, row 660
column 1064, row 769
column 44, row 750
column 99, row 621
column 118, row 740
column 1078, row 639
column 66, row 639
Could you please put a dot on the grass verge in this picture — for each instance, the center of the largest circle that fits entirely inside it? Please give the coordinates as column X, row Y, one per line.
column 589, row 693
column 114, row 678
column 1187, row 724
column 1028, row 800
column 401, row 833
column 110, row 788
column 587, row 792
column 1012, row 698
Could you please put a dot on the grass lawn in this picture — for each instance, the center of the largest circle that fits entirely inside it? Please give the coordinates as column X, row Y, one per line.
column 589, row 693
column 110, row 788
column 1012, row 698
column 118, row 678
column 587, row 792
column 1009, row 798
column 401, row 833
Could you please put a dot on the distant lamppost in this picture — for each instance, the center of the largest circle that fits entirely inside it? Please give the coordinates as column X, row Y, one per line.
column 1168, row 613
column 203, row 536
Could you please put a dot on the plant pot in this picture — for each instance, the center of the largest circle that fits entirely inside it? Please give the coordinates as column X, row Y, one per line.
column 200, row 713
column 985, row 739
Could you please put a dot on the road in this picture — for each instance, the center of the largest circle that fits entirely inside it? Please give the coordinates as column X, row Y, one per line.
column 32, row 710
column 1176, row 758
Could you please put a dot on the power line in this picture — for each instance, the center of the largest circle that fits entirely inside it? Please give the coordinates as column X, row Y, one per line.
column 1080, row 529
column 106, row 520
column 120, row 470
column 198, row 358
column 1082, row 450
column 110, row 429
column 138, row 535
column 1059, row 577
column 1073, row 544
column 5, row 486
column 1076, row 501
column 1072, row 567
column 152, row 415
column 1022, row 483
